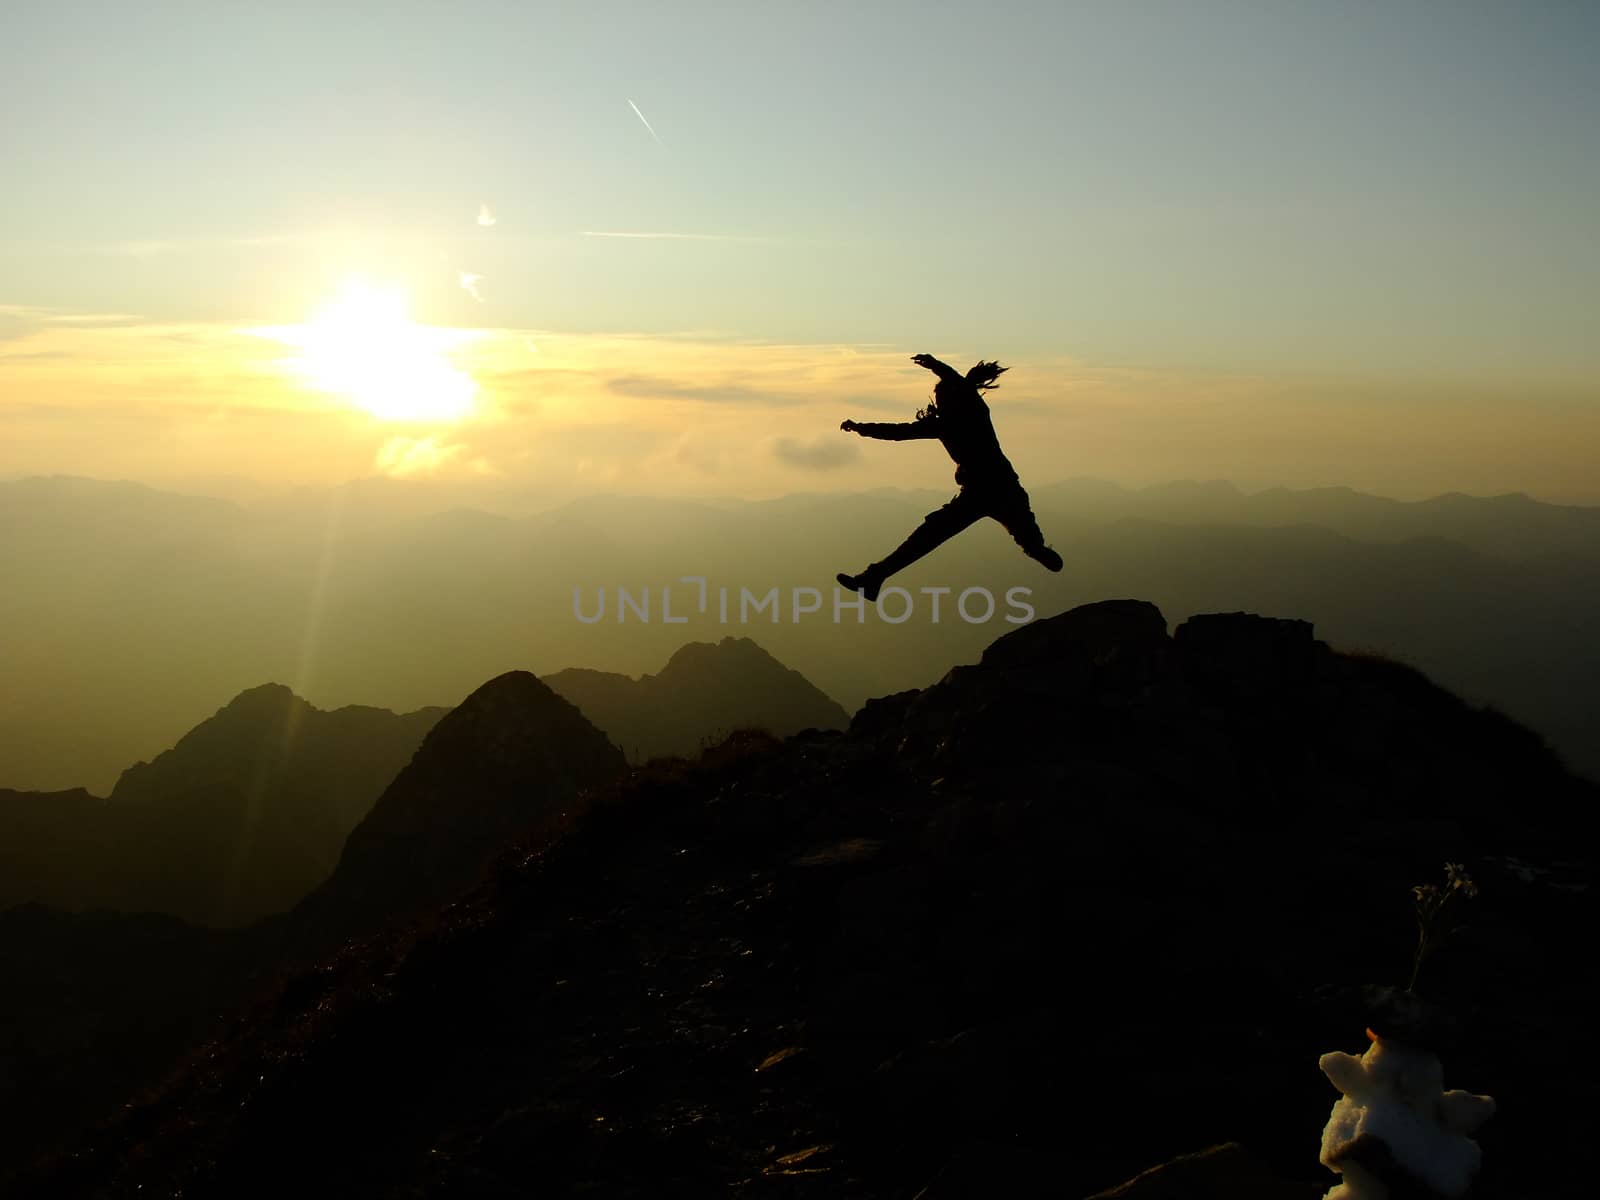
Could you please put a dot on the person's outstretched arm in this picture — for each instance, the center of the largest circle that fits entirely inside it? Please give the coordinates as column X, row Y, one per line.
column 943, row 370
column 894, row 431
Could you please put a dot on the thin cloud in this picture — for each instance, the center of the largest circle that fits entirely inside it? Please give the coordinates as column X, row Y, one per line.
column 823, row 454
column 404, row 456
column 485, row 215
column 154, row 247
column 652, row 387
column 13, row 328
column 681, row 237
column 647, row 124
column 469, row 284
column 94, row 318
column 22, row 320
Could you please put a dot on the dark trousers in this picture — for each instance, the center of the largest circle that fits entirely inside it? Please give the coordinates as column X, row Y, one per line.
column 1006, row 503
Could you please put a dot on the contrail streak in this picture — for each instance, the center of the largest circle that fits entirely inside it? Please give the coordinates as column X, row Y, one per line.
column 647, row 124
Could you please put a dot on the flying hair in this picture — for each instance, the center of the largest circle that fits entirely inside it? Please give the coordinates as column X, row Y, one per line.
column 984, row 375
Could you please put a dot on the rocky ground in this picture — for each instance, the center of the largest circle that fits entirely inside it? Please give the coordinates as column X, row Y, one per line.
column 1094, row 903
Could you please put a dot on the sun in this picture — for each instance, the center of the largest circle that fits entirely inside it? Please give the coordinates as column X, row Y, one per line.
column 363, row 346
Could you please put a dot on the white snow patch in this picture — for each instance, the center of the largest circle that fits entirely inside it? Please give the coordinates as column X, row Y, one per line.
column 1395, row 1094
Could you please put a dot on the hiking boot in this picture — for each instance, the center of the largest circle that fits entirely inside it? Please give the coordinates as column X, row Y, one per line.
column 864, row 583
column 1047, row 557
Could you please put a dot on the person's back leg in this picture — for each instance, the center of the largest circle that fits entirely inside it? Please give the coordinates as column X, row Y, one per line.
column 1014, row 512
column 936, row 529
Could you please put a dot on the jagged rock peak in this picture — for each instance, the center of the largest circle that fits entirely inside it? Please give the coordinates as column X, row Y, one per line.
column 507, row 726
column 510, row 734
column 261, row 695
column 514, row 690
column 729, row 649
column 264, row 702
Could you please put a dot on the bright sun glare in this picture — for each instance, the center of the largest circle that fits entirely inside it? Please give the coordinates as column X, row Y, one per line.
column 362, row 345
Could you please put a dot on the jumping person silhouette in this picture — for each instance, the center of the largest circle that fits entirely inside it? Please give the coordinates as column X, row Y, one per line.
column 989, row 486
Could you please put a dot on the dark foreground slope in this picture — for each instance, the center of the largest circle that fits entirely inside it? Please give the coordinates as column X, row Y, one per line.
column 1094, row 902
column 93, row 1005
column 96, row 1005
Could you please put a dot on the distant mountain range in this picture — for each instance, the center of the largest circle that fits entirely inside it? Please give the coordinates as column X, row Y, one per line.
column 252, row 809
column 1106, row 860
column 244, row 816
column 128, row 612
column 1514, row 527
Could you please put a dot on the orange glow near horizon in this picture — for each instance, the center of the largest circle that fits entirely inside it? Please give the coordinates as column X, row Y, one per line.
column 360, row 387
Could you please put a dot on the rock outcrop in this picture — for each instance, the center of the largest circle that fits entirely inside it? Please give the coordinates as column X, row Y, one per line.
column 1226, row 1172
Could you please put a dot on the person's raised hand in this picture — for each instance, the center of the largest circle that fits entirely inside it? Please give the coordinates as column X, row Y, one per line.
column 927, row 361
column 848, row 426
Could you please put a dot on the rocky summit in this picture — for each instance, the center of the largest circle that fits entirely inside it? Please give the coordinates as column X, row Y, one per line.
column 1093, row 904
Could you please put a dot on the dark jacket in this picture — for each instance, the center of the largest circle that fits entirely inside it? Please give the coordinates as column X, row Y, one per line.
column 963, row 427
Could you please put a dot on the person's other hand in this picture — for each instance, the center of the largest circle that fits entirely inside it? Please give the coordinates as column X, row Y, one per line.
column 848, row 426
column 927, row 361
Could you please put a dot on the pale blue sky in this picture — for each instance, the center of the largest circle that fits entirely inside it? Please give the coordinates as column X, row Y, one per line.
column 1399, row 188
